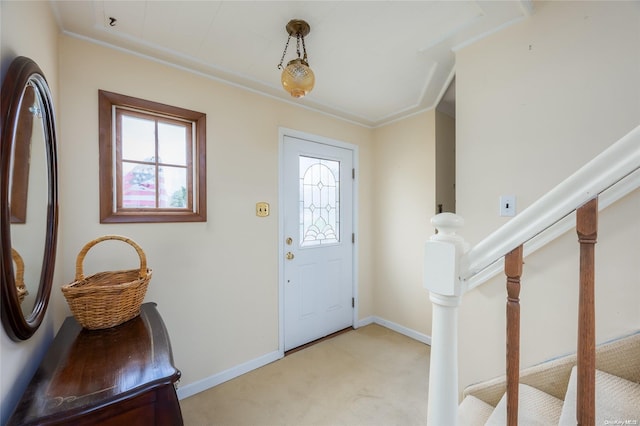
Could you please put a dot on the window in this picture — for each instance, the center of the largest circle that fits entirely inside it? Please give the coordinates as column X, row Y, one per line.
column 152, row 161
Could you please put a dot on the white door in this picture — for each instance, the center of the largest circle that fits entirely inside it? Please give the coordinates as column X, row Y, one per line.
column 318, row 245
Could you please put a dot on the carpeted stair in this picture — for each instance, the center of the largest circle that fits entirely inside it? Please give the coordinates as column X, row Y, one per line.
column 547, row 392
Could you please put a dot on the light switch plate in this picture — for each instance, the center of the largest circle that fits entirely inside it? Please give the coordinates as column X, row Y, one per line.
column 262, row 209
column 507, row 205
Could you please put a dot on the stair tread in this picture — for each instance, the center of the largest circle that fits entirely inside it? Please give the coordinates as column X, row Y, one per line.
column 535, row 407
column 617, row 386
column 617, row 399
column 473, row 411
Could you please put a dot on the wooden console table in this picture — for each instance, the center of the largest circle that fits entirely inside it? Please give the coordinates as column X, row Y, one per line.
column 119, row 376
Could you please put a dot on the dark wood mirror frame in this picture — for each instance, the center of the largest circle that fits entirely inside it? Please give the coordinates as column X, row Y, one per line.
column 21, row 73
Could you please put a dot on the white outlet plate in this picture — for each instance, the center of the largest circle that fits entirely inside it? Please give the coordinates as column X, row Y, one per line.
column 507, row 205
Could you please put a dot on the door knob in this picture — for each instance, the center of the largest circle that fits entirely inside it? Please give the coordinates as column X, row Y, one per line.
column 290, row 256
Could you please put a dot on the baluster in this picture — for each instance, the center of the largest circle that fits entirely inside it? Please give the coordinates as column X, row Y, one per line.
column 513, row 271
column 587, row 229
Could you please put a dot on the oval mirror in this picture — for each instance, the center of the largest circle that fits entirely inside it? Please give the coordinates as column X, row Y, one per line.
column 28, row 198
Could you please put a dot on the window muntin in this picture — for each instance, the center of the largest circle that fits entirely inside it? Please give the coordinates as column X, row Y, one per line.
column 152, row 165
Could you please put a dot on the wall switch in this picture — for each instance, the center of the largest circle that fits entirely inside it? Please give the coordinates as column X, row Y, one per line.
column 507, row 205
column 262, row 209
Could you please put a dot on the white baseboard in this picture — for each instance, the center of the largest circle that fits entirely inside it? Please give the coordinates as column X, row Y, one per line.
column 364, row 321
column 224, row 376
column 416, row 335
column 239, row 370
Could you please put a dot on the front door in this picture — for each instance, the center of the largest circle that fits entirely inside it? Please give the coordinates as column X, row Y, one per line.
column 318, row 245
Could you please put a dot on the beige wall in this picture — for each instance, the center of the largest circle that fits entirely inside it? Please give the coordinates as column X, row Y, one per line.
column 404, row 202
column 38, row 41
column 215, row 283
column 534, row 103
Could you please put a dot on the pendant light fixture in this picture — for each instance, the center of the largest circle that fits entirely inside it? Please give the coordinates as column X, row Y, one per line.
column 297, row 78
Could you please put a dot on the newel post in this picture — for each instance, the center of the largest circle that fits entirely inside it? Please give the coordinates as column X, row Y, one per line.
column 441, row 259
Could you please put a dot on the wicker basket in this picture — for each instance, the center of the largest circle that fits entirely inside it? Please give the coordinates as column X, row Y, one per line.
column 20, row 287
column 107, row 299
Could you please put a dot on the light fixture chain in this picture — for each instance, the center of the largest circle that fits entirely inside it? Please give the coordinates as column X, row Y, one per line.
column 298, row 44
column 304, row 49
column 284, row 53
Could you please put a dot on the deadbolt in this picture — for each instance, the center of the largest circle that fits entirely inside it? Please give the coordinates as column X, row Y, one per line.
column 289, row 241
column 290, row 256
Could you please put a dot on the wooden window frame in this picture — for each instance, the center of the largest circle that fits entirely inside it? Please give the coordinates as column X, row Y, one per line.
column 111, row 213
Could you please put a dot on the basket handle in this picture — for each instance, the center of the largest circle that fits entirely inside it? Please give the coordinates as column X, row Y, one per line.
column 85, row 249
column 19, row 266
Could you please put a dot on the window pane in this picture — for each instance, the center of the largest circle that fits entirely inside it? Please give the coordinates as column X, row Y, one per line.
column 173, row 187
column 138, row 139
column 139, row 185
column 319, row 201
column 172, row 144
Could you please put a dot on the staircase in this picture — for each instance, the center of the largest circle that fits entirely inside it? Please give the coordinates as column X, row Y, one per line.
column 547, row 392
column 596, row 385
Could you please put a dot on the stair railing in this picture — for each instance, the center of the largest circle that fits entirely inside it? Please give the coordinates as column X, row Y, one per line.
column 452, row 267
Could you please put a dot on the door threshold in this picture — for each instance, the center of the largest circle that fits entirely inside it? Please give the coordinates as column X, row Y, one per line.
column 327, row 337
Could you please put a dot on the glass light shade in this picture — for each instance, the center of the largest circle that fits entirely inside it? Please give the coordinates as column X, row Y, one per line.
column 297, row 78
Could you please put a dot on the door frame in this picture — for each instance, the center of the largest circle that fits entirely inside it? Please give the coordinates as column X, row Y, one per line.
column 282, row 132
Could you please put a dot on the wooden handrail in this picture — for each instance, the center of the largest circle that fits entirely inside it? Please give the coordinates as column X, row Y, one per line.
column 513, row 271
column 587, row 229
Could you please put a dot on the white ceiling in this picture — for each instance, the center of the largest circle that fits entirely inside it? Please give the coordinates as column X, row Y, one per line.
column 374, row 61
